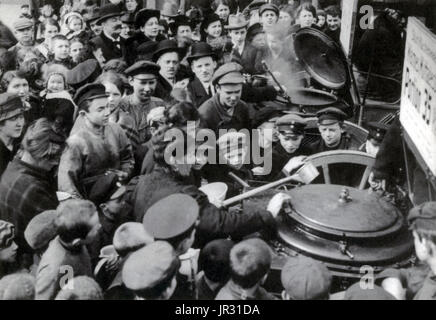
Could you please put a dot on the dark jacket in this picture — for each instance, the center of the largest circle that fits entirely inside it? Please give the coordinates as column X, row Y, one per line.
column 214, row 223
column 134, row 42
column 25, row 191
column 163, row 89
column 251, row 58
column 109, row 48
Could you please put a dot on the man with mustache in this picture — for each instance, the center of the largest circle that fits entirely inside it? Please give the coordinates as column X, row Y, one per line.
column 110, row 42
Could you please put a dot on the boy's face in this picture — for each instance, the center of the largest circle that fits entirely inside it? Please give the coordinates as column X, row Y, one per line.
column 321, row 21
column 291, row 143
column 25, row 36
column 331, row 134
column 143, row 86
column 55, row 83
column 229, row 94
column 98, row 112
column 269, row 18
column 9, row 254
column 61, row 49
column 333, row 23
column 238, row 36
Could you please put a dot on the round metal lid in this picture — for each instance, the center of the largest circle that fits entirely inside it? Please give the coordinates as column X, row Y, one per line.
column 321, row 57
column 344, row 211
column 312, row 97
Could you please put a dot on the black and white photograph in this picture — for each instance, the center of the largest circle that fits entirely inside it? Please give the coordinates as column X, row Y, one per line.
column 230, row 150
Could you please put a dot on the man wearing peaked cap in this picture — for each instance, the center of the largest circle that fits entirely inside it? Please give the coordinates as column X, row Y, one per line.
column 151, row 271
column 304, row 278
column 290, row 130
column 376, row 134
column 243, row 50
column 226, row 110
column 333, row 133
column 143, row 78
column 112, row 45
column 95, row 145
column 269, row 15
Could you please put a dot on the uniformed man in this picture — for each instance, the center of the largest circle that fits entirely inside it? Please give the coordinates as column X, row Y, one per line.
column 110, row 43
column 143, row 77
column 150, row 273
column 24, row 32
column 376, row 133
column 419, row 282
column 95, row 145
column 333, row 134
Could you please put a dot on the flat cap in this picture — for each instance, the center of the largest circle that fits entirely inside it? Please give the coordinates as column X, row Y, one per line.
column 377, row 130
column 330, row 115
column 423, row 218
column 291, row 124
column 229, row 73
column 85, row 288
column 171, row 216
column 200, row 50
column 165, row 46
column 106, row 188
column 89, row 92
column 130, row 237
column 355, row 292
column 41, row 230
column 144, row 15
column 22, row 23
column 85, row 72
column 10, row 106
column 7, row 233
column 150, row 266
column 144, row 68
column 17, row 286
column 108, row 11
column 304, row 278
column 270, row 7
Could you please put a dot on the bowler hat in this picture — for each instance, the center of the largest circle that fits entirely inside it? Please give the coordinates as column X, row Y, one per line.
column 143, row 15
column 200, row 50
column 108, row 11
column 165, row 46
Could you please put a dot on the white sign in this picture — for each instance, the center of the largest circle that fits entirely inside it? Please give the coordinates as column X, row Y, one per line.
column 348, row 24
column 418, row 97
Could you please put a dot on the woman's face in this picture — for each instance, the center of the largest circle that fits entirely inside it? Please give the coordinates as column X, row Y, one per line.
column 284, row 17
column 75, row 24
column 259, row 40
column 75, row 50
column 223, row 11
column 13, row 127
column 19, row 87
column 50, row 32
column 306, row 18
column 114, row 95
column 55, row 83
column 214, row 29
column 151, row 28
column 131, row 5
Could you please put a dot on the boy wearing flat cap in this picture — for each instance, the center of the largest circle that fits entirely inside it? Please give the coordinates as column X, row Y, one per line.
column 143, row 77
column 376, row 133
column 418, row 282
column 333, row 134
column 95, row 145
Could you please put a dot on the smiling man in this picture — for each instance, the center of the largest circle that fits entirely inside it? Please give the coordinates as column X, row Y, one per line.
column 95, row 146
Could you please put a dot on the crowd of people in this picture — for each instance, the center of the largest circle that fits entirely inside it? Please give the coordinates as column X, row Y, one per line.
column 93, row 205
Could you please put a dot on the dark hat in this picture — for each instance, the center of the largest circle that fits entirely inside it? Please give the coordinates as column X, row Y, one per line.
column 194, row 14
column 165, row 46
column 22, row 23
column 211, row 18
column 17, row 286
column 171, row 216
column 7, row 233
column 94, row 17
column 10, row 106
column 423, row 218
column 41, row 230
column 85, row 288
column 108, row 11
column 330, row 115
column 253, row 30
column 143, row 15
column 59, row 107
column 377, row 130
column 200, row 50
column 270, row 7
column 181, row 20
column 106, row 188
column 355, row 292
column 304, row 278
column 128, row 18
column 85, row 72
column 89, row 92
column 143, row 68
column 150, row 266
column 229, row 73
column 291, row 124
column 145, row 50
column 184, row 72
column 236, row 21
column 130, row 237
column 214, row 259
